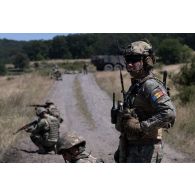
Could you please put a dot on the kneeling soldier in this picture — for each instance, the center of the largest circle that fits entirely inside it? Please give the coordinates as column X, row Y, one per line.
column 46, row 133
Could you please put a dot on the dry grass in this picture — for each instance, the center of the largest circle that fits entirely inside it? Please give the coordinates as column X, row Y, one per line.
column 182, row 135
column 16, row 93
column 60, row 61
column 110, row 82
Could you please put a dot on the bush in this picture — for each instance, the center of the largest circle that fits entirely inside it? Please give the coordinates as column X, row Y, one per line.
column 186, row 75
column 185, row 81
column 72, row 66
column 20, row 61
column 187, row 94
column 2, row 69
column 171, row 51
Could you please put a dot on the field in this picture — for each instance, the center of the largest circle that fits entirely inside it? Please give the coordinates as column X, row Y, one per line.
column 16, row 93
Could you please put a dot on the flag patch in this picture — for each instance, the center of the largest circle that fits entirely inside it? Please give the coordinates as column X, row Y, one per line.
column 157, row 94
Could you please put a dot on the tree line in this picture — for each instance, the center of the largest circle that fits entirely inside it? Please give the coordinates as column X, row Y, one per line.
column 169, row 47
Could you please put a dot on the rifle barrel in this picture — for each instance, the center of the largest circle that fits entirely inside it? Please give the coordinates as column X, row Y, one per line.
column 165, row 78
column 113, row 100
column 122, row 84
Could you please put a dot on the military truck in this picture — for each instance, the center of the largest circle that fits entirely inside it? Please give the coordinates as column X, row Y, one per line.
column 108, row 62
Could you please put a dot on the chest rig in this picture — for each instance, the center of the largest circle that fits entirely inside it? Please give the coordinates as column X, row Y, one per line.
column 136, row 98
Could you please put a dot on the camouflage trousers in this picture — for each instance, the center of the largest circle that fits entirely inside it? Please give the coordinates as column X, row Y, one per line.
column 39, row 141
column 139, row 153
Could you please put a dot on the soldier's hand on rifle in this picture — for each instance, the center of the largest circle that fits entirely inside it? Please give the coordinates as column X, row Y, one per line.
column 122, row 117
column 119, row 122
column 30, row 129
column 132, row 125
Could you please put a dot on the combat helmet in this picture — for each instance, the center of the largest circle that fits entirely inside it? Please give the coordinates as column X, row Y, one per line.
column 48, row 102
column 40, row 110
column 69, row 140
column 140, row 50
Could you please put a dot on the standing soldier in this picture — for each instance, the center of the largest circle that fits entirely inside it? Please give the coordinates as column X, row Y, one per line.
column 147, row 109
column 46, row 132
column 85, row 69
column 72, row 148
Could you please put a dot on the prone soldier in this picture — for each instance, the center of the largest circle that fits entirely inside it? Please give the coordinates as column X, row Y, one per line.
column 72, row 148
column 147, row 109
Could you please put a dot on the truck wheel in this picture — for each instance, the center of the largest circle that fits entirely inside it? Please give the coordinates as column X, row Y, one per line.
column 108, row 67
column 117, row 67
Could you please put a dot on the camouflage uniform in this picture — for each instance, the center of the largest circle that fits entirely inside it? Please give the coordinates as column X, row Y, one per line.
column 148, row 111
column 46, row 133
column 71, row 140
column 85, row 69
column 56, row 72
column 53, row 110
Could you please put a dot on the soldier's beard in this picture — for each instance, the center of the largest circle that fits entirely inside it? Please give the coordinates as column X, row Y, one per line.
column 137, row 74
column 136, row 69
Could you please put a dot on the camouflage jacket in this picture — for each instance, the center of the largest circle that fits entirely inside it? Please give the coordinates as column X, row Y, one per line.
column 47, row 127
column 53, row 110
column 152, row 105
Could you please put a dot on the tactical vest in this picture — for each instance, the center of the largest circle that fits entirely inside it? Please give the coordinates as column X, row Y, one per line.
column 54, row 111
column 137, row 99
column 53, row 128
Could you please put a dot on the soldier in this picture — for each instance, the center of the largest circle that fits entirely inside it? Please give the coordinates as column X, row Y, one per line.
column 72, row 148
column 53, row 110
column 46, row 132
column 147, row 109
column 56, row 73
column 85, row 69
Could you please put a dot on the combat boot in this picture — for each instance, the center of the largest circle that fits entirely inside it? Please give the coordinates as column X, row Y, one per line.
column 42, row 150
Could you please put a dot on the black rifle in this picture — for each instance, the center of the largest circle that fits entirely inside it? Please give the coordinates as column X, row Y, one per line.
column 165, row 82
column 114, row 111
column 38, row 105
column 122, row 86
column 25, row 127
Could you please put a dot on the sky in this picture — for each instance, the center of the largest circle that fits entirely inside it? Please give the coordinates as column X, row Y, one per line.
column 29, row 36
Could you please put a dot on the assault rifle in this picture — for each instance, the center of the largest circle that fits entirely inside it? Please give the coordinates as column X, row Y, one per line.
column 165, row 82
column 114, row 110
column 25, row 127
column 120, row 105
column 38, row 105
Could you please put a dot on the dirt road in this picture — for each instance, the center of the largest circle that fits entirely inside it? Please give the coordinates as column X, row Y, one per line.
column 85, row 109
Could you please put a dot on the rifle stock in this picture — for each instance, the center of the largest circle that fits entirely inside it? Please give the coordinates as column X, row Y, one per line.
column 26, row 126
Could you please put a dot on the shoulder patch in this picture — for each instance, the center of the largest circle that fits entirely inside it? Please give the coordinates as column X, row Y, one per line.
column 149, row 86
column 157, row 94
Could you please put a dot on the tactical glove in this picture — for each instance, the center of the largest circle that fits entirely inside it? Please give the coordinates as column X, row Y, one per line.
column 122, row 117
column 132, row 126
